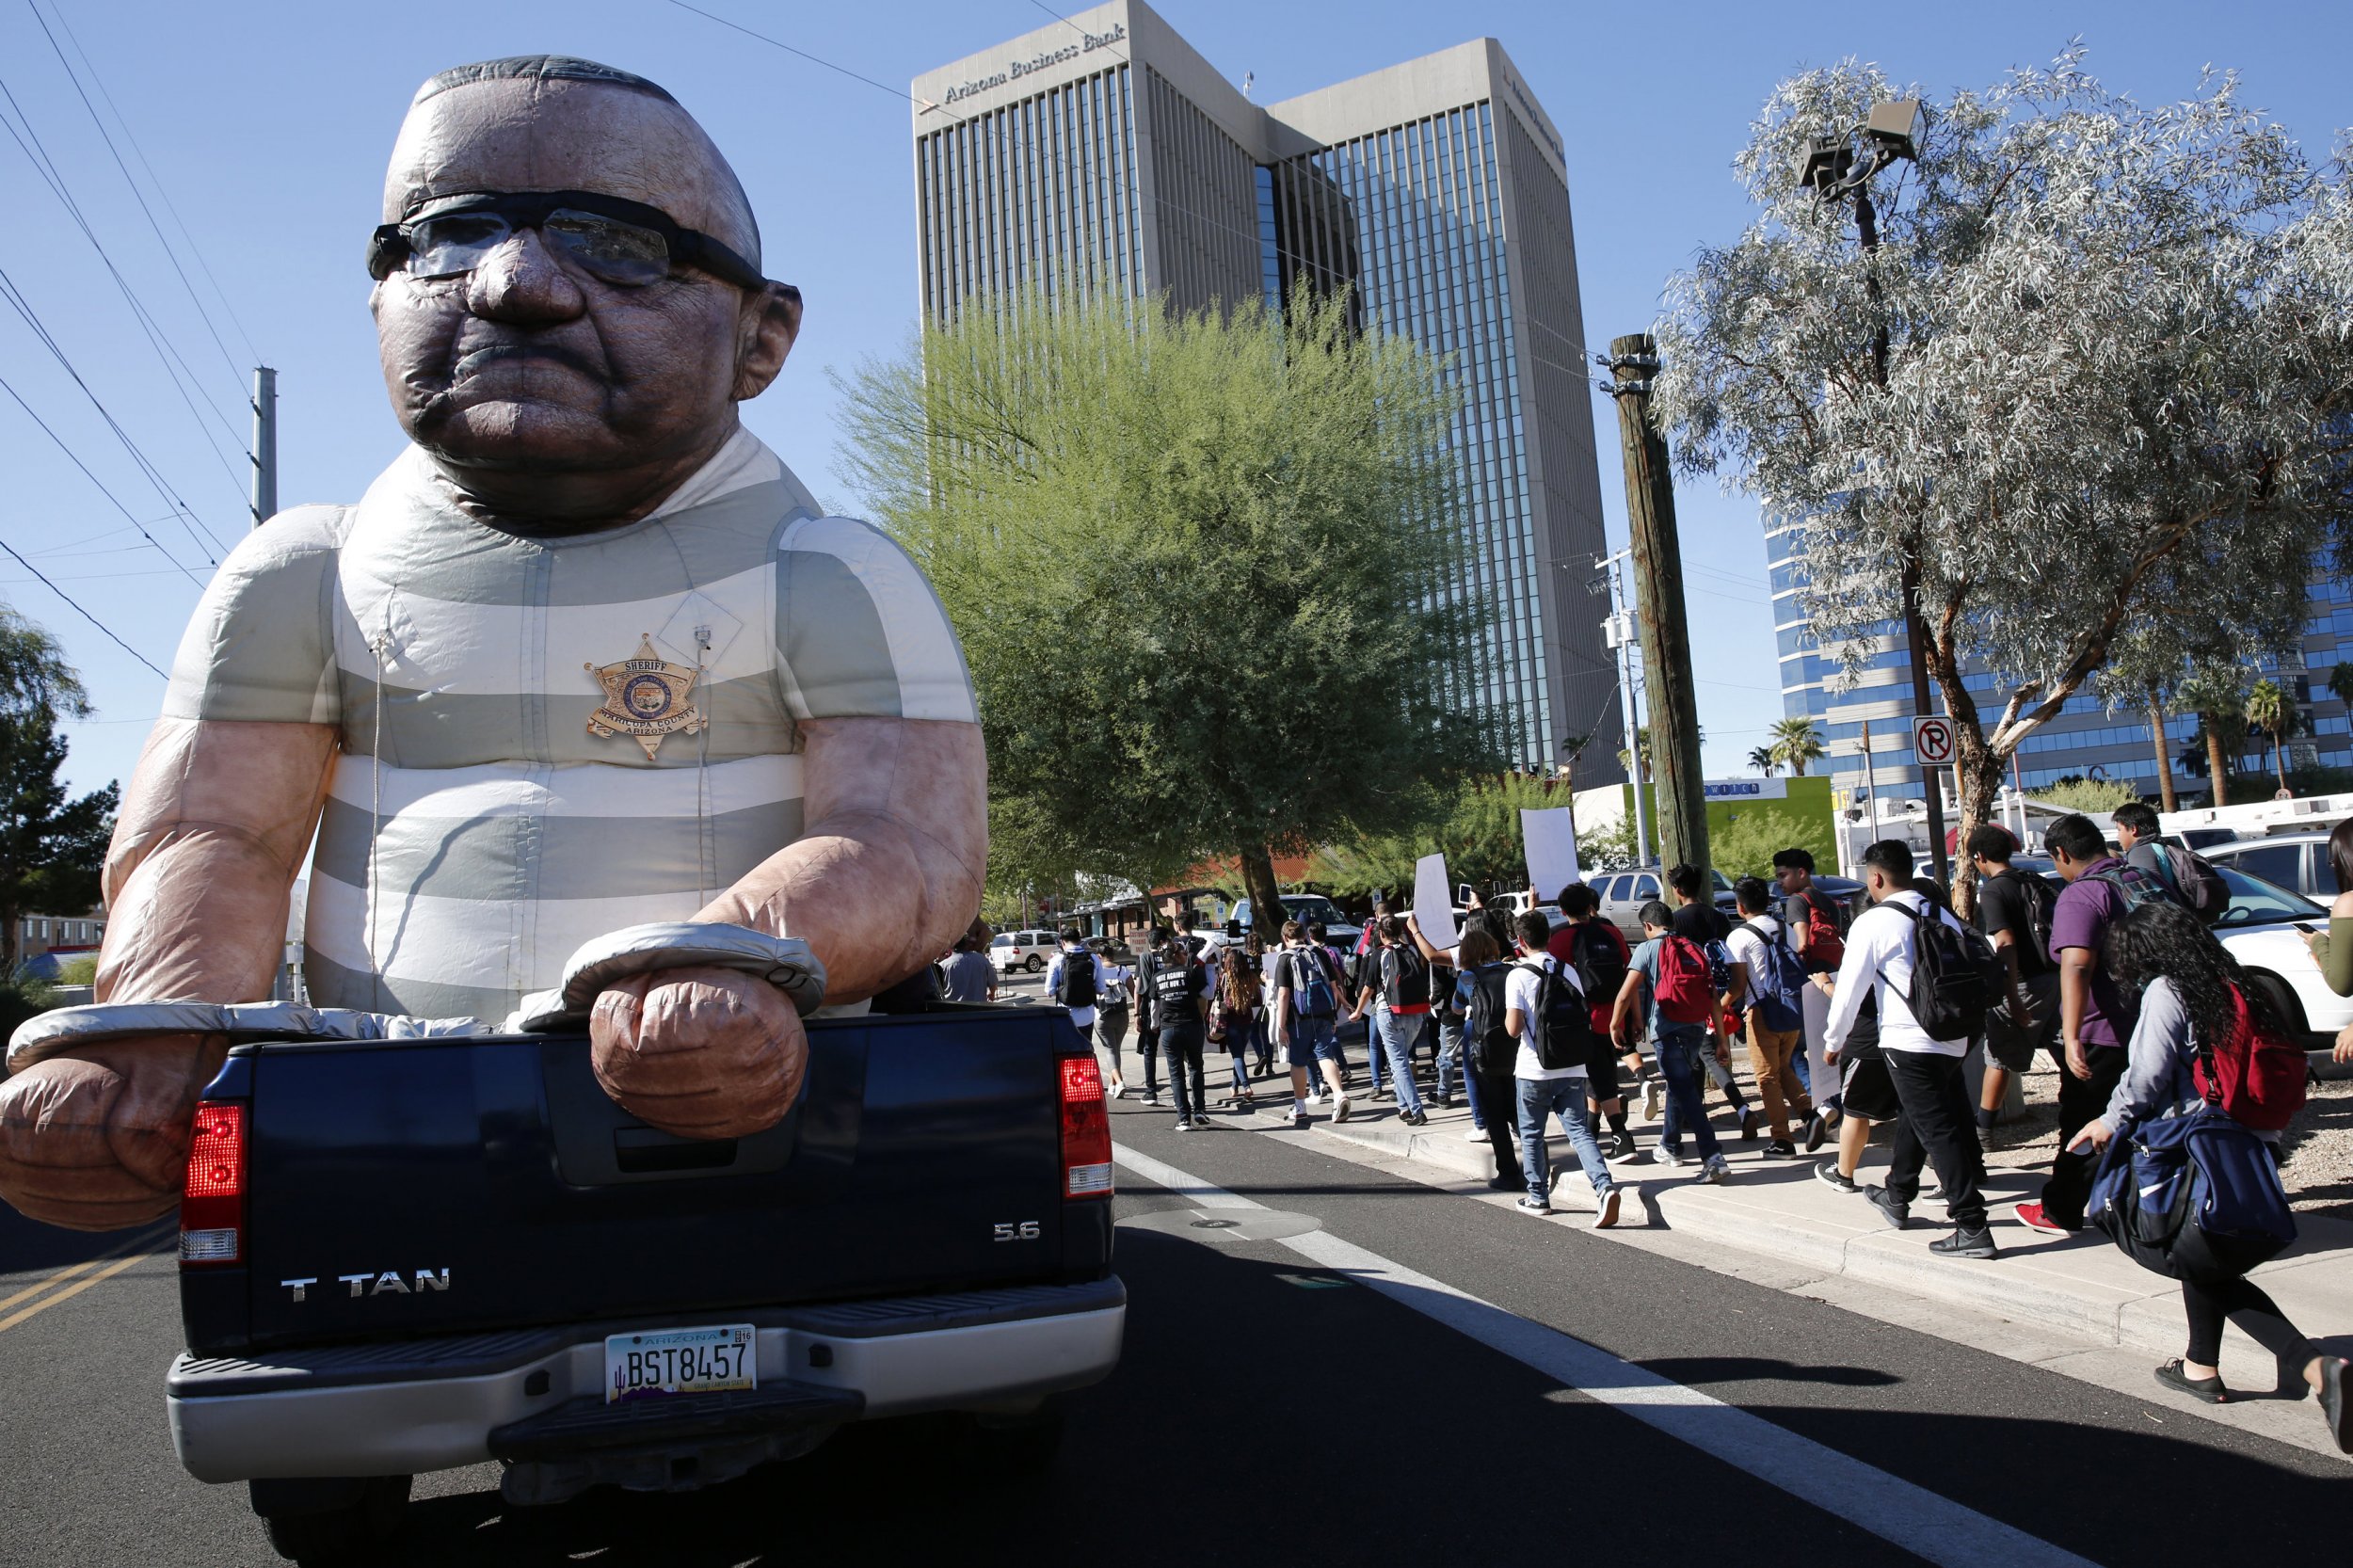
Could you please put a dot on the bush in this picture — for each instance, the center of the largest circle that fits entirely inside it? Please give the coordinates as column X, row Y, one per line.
column 21, row 997
column 2091, row 795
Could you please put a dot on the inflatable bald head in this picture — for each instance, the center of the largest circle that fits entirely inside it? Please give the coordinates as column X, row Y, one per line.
column 569, row 299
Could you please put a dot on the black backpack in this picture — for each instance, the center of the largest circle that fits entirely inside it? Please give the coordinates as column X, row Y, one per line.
column 2041, row 901
column 1562, row 1033
column 1949, row 963
column 1492, row 1047
column 1077, row 979
column 1404, row 978
column 1601, row 963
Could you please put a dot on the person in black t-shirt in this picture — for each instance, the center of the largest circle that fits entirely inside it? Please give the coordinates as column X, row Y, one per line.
column 1180, row 1000
column 2027, row 1019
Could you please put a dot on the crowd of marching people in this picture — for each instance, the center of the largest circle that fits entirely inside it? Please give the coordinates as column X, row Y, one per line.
column 1849, row 1019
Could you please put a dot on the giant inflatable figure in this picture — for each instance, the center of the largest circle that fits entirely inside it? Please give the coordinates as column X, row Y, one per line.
column 585, row 658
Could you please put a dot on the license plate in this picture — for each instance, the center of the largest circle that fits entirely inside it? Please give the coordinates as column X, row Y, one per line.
column 679, row 1360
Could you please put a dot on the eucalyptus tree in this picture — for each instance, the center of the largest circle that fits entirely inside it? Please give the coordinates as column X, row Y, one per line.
column 2112, row 391
column 1196, row 563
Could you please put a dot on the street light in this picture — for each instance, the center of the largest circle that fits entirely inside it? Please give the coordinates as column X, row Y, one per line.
column 1894, row 129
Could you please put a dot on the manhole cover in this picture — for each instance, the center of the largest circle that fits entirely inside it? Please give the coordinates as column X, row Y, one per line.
column 1215, row 1225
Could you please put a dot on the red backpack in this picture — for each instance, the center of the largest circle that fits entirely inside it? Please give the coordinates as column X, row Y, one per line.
column 1682, row 988
column 1825, row 933
column 2256, row 1075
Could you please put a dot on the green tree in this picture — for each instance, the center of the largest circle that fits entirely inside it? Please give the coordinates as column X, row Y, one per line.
column 52, row 848
column 1194, row 561
column 1795, row 743
column 2214, row 694
column 1765, row 760
column 1478, row 830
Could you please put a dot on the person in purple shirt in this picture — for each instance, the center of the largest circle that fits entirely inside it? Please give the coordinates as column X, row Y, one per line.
column 2095, row 1013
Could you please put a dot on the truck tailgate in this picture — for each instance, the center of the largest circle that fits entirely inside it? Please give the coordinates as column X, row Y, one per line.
column 401, row 1188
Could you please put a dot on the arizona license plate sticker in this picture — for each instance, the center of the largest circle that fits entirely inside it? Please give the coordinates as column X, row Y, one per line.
column 679, row 1360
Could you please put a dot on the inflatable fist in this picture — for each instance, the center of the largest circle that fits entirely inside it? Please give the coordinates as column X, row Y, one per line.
column 97, row 1138
column 700, row 1052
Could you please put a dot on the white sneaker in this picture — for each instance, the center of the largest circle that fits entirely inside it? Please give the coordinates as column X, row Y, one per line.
column 1339, row 1109
column 1474, row 1135
column 1119, row 1091
column 1654, row 1100
column 1718, row 1170
column 1609, row 1215
column 1312, row 1099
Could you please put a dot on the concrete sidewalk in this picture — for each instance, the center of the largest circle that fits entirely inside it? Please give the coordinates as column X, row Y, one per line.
column 2077, row 1285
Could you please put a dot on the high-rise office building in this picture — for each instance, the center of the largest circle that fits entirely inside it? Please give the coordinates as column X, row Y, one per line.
column 1105, row 149
column 2083, row 740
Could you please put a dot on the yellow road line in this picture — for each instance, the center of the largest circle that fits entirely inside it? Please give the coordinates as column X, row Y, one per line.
column 145, row 1239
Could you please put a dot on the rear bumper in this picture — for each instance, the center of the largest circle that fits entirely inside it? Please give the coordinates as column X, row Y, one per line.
column 433, row 1404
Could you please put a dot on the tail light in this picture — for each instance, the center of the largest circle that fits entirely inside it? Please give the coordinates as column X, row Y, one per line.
column 212, row 1202
column 1086, row 1130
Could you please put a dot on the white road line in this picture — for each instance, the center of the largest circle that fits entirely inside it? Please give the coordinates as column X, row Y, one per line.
column 1912, row 1517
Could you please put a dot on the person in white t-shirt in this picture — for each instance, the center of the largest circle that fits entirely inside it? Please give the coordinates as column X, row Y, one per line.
column 1546, row 1092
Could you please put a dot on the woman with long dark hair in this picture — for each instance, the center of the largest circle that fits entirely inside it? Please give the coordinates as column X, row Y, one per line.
column 1230, row 1013
column 2333, row 947
column 2195, row 998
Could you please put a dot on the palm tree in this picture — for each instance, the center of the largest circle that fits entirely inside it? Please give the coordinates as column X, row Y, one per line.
column 2166, row 800
column 1796, row 742
column 2271, row 710
column 2220, row 704
column 2341, row 683
column 1764, row 762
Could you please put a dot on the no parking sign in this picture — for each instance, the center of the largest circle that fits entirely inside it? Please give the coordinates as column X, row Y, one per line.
column 1932, row 740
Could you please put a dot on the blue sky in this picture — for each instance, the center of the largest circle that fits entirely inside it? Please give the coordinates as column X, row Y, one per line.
column 268, row 125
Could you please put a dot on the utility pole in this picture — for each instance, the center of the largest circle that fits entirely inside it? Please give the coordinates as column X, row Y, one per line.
column 1618, row 631
column 1650, row 508
column 265, row 497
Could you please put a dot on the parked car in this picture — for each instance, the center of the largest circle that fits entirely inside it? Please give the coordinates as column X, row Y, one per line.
column 2297, row 861
column 1623, row 893
column 1030, row 951
column 1305, row 908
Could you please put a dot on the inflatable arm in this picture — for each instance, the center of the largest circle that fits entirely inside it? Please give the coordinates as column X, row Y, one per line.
column 212, row 834
column 887, row 874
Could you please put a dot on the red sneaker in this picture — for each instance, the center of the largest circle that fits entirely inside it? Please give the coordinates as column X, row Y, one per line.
column 2035, row 1217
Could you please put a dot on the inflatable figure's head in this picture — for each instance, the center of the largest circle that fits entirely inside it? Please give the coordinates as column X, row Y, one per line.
column 568, row 279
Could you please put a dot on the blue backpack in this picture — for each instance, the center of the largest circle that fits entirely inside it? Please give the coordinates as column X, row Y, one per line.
column 2194, row 1184
column 1779, row 990
column 1312, row 996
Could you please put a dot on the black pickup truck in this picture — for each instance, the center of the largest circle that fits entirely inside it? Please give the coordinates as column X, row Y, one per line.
column 402, row 1256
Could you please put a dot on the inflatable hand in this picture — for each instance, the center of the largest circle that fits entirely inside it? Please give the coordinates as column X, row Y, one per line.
column 97, row 1138
column 700, row 1052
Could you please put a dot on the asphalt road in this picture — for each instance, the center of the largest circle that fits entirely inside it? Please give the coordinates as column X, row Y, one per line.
column 1268, row 1410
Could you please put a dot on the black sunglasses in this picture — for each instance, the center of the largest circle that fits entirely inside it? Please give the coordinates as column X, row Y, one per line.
column 619, row 241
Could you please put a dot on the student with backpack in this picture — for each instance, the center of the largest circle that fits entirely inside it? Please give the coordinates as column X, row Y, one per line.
column 1768, row 992
column 1817, row 933
column 1917, row 960
column 2187, row 877
column 1592, row 947
column 1303, row 1011
column 2014, row 910
column 1546, row 1016
column 2206, row 1043
column 1668, row 979
column 1401, row 980
column 1077, row 979
column 1488, row 1048
column 1697, row 918
column 2095, row 1013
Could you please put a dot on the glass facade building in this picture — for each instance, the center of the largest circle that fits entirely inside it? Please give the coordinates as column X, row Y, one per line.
column 2085, row 741
column 1435, row 192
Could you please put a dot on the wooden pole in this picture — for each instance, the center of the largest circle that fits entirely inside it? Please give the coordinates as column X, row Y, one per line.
column 1650, row 508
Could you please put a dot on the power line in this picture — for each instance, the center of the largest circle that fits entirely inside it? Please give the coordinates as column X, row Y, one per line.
column 154, row 178
column 84, row 614
column 15, row 296
column 175, row 365
column 813, row 60
column 95, row 480
column 156, row 228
